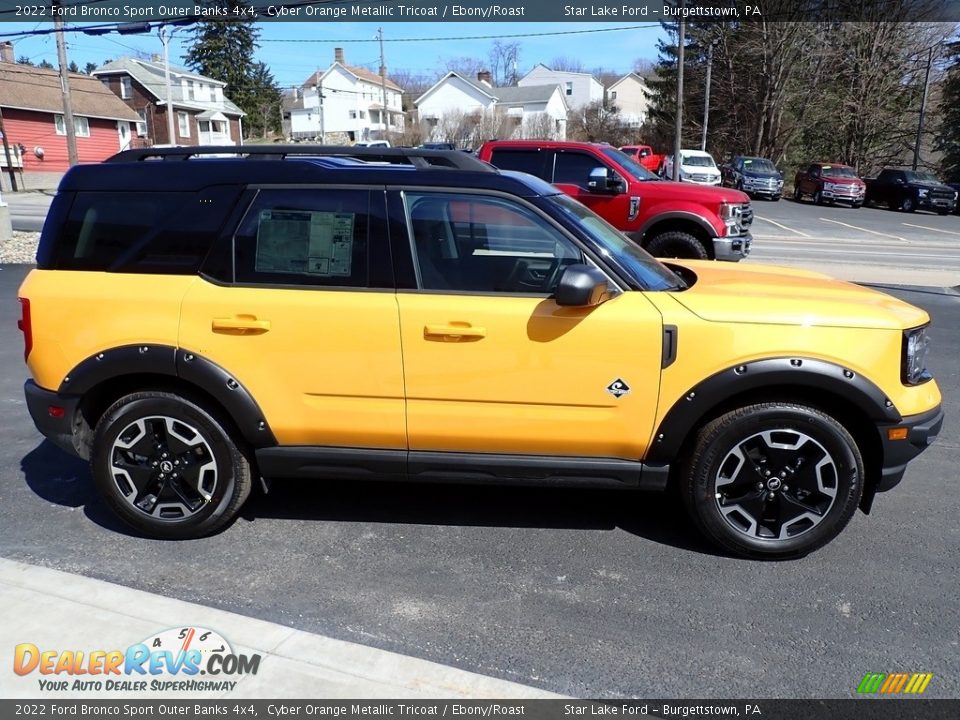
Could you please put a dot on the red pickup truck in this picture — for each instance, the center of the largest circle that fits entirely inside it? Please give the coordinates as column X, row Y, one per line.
column 668, row 219
column 646, row 156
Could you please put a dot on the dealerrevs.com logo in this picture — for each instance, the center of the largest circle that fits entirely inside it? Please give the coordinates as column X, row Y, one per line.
column 189, row 659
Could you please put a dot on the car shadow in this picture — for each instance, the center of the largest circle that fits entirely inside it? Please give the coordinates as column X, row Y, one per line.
column 62, row 479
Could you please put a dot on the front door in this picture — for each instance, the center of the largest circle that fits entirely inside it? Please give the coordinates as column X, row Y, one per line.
column 493, row 364
column 305, row 321
column 571, row 173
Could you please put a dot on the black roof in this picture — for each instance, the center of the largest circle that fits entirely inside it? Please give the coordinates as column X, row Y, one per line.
column 193, row 168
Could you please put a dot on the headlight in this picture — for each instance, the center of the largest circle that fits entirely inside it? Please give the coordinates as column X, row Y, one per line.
column 913, row 358
column 922, row 192
column 730, row 212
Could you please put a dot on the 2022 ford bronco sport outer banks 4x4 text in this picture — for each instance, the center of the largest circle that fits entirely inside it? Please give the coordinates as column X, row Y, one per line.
column 195, row 323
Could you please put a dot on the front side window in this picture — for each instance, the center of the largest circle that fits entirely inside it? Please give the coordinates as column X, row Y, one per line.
column 475, row 243
column 574, row 168
column 305, row 237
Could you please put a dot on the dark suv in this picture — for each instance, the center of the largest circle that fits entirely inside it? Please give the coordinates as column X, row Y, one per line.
column 910, row 190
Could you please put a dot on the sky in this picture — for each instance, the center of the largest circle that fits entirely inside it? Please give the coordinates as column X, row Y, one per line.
column 293, row 62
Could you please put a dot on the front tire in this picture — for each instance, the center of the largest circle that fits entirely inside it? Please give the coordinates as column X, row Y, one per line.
column 773, row 480
column 677, row 244
column 908, row 204
column 168, row 467
column 818, row 197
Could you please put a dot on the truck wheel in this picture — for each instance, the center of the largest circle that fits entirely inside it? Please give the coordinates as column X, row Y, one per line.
column 908, row 204
column 818, row 197
column 167, row 466
column 797, row 195
column 677, row 245
column 773, row 480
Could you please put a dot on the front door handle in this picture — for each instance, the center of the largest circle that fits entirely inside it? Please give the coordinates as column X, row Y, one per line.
column 240, row 325
column 455, row 331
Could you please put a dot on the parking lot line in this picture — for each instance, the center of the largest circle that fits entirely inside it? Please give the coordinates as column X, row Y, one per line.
column 924, row 227
column 872, row 232
column 782, row 227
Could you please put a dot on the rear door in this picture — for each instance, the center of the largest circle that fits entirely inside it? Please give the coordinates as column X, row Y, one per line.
column 300, row 307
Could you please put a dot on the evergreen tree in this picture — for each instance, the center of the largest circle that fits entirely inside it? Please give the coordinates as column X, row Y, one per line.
column 224, row 50
column 73, row 67
column 89, row 68
column 266, row 94
column 46, row 64
column 24, row 60
column 947, row 139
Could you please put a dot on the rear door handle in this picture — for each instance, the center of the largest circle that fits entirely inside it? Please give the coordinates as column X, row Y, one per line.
column 455, row 332
column 240, row 325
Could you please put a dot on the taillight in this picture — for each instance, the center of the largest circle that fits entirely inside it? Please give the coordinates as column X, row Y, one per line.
column 25, row 327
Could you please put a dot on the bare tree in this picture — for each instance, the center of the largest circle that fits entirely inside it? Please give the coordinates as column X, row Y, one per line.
column 539, row 126
column 566, row 64
column 491, row 124
column 468, row 67
column 504, row 58
column 595, row 123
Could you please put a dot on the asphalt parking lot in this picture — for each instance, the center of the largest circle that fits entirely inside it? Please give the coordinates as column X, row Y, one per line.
column 831, row 236
column 589, row 593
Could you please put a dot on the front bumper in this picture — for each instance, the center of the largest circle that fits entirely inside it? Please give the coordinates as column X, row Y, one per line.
column 851, row 195
column 922, row 430
column 937, row 204
column 56, row 426
column 732, row 247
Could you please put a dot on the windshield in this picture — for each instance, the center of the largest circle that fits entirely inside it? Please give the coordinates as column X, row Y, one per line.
column 648, row 272
column 839, row 171
column 630, row 164
column 697, row 160
column 758, row 165
column 920, row 177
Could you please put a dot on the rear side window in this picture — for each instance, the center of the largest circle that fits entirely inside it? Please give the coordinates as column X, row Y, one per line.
column 142, row 232
column 528, row 161
column 305, row 237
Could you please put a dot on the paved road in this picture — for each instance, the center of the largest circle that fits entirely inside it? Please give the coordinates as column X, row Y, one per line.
column 829, row 236
column 578, row 592
column 27, row 209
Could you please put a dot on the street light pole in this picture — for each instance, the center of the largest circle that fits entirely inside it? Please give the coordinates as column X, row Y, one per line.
column 706, row 97
column 165, row 36
column 923, row 107
column 383, row 84
column 678, row 127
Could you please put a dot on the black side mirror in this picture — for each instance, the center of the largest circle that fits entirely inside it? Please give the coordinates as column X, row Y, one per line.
column 603, row 181
column 581, row 286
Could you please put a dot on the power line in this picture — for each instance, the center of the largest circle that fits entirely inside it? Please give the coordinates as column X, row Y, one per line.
column 462, row 37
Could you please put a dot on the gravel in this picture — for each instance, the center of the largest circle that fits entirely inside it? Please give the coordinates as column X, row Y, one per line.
column 20, row 249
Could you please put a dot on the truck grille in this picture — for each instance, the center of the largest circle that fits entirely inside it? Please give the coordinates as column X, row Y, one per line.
column 746, row 216
column 699, row 177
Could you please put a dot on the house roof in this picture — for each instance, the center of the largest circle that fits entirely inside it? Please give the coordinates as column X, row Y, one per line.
column 629, row 75
column 561, row 72
column 31, row 88
column 151, row 76
column 358, row 72
column 510, row 95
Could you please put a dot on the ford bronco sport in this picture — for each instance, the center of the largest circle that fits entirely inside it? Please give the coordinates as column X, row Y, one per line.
column 668, row 219
column 194, row 325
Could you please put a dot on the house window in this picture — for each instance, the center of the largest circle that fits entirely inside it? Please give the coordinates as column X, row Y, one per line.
column 353, row 114
column 569, row 87
column 81, row 126
column 363, row 114
column 183, row 121
column 191, row 90
column 142, row 124
column 613, row 94
column 126, row 88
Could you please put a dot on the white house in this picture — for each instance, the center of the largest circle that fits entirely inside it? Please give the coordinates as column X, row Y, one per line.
column 351, row 104
column 579, row 89
column 505, row 112
column 629, row 94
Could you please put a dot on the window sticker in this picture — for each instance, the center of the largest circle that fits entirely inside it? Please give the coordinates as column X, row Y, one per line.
column 305, row 242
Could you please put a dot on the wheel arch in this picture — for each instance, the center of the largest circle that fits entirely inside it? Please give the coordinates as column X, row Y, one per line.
column 856, row 402
column 685, row 222
column 104, row 378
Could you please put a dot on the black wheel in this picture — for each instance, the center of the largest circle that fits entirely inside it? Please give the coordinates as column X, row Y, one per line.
column 775, row 198
column 797, row 195
column 943, row 212
column 908, row 204
column 677, row 245
column 168, row 467
column 856, row 206
column 773, row 480
column 818, row 197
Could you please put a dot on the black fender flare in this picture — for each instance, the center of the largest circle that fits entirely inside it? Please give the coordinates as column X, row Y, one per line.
column 194, row 369
column 771, row 373
column 685, row 215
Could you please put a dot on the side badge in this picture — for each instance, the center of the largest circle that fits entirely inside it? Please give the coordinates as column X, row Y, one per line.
column 618, row 388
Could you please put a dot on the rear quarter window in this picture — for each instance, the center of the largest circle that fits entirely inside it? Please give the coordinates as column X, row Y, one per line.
column 145, row 232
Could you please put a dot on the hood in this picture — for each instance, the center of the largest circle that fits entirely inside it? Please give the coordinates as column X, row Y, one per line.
column 773, row 295
column 763, row 174
column 702, row 194
column 933, row 185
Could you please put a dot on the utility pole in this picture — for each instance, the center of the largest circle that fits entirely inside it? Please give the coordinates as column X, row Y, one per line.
column 706, row 97
column 318, row 86
column 165, row 35
column 68, row 126
column 678, row 128
column 923, row 107
column 383, row 83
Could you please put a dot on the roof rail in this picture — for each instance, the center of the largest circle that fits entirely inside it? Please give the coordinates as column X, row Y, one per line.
column 418, row 157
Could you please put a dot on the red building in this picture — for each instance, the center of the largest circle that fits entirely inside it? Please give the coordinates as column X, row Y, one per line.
column 32, row 105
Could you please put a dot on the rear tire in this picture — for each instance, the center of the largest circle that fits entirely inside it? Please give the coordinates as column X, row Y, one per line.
column 677, row 244
column 797, row 195
column 773, row 480
column 168, row 467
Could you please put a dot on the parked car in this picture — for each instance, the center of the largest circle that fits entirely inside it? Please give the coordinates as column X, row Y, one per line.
column 372, row 143
column 757, row 177
column 696, row 166
column 667, row 219
column 910, row 190
column 956, row 189
column 438, row 146
column 645, row 155
column 194, row 327
column 829, row 182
